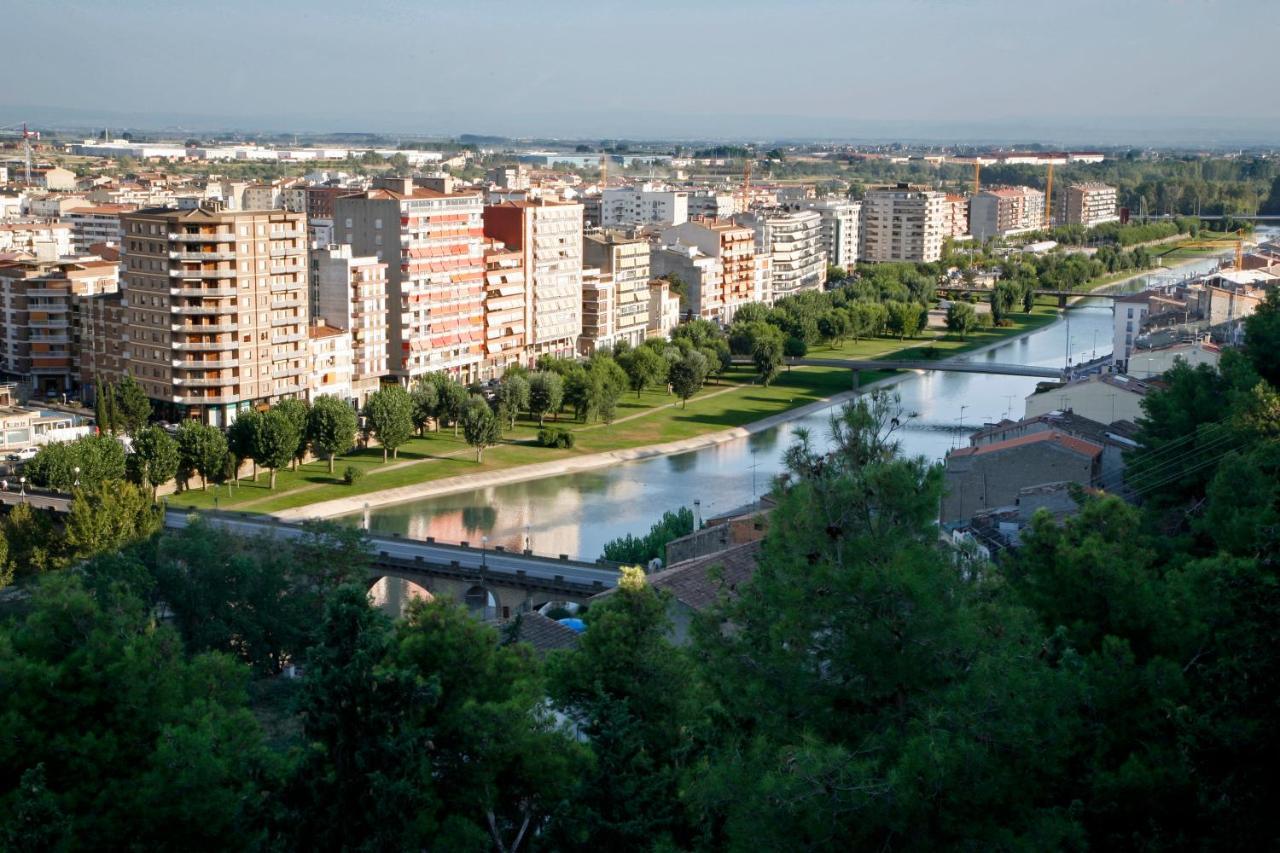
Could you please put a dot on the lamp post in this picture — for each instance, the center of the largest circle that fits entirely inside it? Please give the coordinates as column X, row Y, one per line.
column 528, row 539
column 22, row 488
column 484, row 550
column 76, row 484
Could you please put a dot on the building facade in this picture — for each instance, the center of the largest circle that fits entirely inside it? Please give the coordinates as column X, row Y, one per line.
column 646, row 204
column 504, row 307
column 902, row 223
column 626, row 260
column 841, row 227
column 350, row 293
column 96, row 224
column 1088, row 204
column 703, row 292
column 1006, row 212
column 734, row 246
column 793, row 239
column 216, row 309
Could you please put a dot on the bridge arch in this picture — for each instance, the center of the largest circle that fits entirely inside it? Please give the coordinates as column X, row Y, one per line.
column 482, row 601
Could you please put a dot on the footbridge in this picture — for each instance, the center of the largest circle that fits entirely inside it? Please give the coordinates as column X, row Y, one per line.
column 950, row 365
column 1061, row 295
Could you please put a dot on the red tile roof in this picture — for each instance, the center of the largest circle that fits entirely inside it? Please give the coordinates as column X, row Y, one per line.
column 1077, row 445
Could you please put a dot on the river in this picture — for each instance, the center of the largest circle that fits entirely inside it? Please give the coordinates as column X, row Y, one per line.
column 576, row 514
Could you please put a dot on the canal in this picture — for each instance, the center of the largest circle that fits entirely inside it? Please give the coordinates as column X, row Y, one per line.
column 575, row 514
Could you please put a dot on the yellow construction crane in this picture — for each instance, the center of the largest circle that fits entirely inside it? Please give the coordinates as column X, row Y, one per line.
column 1048, row 197
column 746, row 186
column 977, row 176
column 604, row 172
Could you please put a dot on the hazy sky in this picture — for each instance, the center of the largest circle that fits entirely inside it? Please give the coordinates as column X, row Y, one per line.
column 647, row 67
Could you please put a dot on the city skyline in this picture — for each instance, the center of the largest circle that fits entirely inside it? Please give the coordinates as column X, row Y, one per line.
column 924, row 70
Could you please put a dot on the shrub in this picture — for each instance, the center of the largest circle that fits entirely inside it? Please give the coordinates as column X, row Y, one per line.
column 555, row 437
column 350, row 474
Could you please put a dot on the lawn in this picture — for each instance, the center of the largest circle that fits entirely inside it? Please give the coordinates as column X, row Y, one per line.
column 654, row 418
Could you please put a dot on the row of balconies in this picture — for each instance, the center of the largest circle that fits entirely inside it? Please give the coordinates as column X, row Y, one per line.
column 181, row 273
column 205, row 364
column 202, row 256
column 206, row 237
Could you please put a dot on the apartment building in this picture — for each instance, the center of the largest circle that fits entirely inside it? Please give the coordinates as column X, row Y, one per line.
column 433, row 245
column 644, row 204
column 46, row 312
column 841, row 222
column 47, row 240
column 53, row 178
column 955, row 210
column 349, row 292
column 713, row 204
column 1087, row 204
column 793, row 238
column 626, row 260
column 330, row 364
column 703, row 295
column 548, row 234
column 902, row 223
column 664, row 309
column 96, row 224
column 504, row 308
column 1006, row 212
column 216, row 308
column 598, row 310
column 734, row 246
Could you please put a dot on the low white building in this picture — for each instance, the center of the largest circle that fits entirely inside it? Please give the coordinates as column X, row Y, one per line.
column 664, row 309
column 330, row 354
column 1104, row 398
column 646, row 204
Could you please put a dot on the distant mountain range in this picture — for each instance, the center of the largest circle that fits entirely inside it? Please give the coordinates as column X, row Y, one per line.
column 1166, row 132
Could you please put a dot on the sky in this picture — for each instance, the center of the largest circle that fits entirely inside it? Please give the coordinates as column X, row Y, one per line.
column 651, row 68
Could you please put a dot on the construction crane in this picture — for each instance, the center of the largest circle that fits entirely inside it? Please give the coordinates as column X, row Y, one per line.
column 977, row 175
column 1048, row 197
column 746, row 186
column 27, row 136
column 604, row 172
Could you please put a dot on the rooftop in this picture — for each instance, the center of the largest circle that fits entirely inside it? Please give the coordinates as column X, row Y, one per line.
column 1054, row 436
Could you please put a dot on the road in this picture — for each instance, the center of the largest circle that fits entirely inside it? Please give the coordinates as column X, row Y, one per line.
column 951, row 365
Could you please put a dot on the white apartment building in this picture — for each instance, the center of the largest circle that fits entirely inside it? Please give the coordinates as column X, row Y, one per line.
column 902, row 223
column 330, row 364
column 350, row 293
column 701, row 274
column 664, row 309
column 793, row 239
column 841, row 220
column 626, row 260
column 96, row 224
column 549, row 236
column 713, row 204
column 1088, row 204
column 433, row 245
column 1006, row 212
column 646, row 204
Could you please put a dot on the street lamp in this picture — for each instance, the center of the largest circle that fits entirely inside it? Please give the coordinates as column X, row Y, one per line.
column 22, row 488
column 484, row 545
column 528, row 539
column 76, row 484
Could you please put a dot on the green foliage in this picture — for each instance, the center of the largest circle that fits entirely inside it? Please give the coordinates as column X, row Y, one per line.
column 546, row 393
column 99, row 458
column 452, row 400
column 297, row 411
column 242, row 437
column 154, row 460
column 131, row 409
column 389, row 412
column 201, row 449
column 687, row 376
column 555, row 437
column 276, row 442
column 480, row 426
column 331, row 427
column 644, row 368
column 512, row 399
column 351, row 474
column 107, row 516
column 639, row 550
column 31, row 546
column 426, row 398
column 962, row 319
column 1262, row 338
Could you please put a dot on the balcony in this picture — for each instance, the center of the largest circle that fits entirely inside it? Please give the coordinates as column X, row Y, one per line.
column 283, row 252
column 189, row 310
column 214, row 237
column 288, row 337
column 279, row 269
column 280, row 287
column 209, row 329
column 197, row 292
column 281, row 372
column 180, row 273
column 205, row 382
column 213, row 364
column 211, row 400
column 284, row 235
column 202, row 256
column 206, row 346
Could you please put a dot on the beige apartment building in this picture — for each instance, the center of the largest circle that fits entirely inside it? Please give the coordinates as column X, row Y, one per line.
column 46, row 320
column 349, row 292
column 626, row 260
column 504, row 308
column 548, row 234
column 216, row 308
column 433, row 245
column 794, row 240
column 902, row 223
column 1088, row 204
column 955, row 216
column 734, row 246
column 598, row 310
column 96, row 224
column 1006, row 212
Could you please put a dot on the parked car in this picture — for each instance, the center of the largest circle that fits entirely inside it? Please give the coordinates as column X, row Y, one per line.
column 26, row 454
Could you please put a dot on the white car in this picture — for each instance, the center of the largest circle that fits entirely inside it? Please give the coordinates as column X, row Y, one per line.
column 26, row 454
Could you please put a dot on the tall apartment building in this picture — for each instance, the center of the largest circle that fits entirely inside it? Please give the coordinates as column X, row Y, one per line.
column 216, row 311
column 548, row 234
column 734, row 246
column 46, row 319
column 349, row 292
column 598, row 310
column 504, row 308
column 701, row 273
column 626, row 260
column 645, row 204
column 331, row 364
column 794, row 240
column 1087, row 204
column 713, row 204
column 433, row 245
column 902, row 223
column 841, row 223
column 96, row 224
column 955, row 216
column 1005, row 212
column 45, row 240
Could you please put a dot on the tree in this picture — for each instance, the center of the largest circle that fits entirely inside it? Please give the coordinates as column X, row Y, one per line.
column 98, row 458
column 104, row 406
column 331, row 427
column 627, row 689
column 903, row 318
column 1003, row 297
column 480, row 427
column 834, row 325
column 389, row 412
column 201, row 448
column 546, row 392
column 30, row 542
column 794, row 347
column 242, row 437
column 961, row 319
column 513, row 397
column 687, row 376
column 108, row 515
column 426, row 399
column 131, row 405
column 277, row 442
column 640, row 550
column 296, row 411
column 766, row 353
column 1262, row 336
column 154, row 460
column 453, row 399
